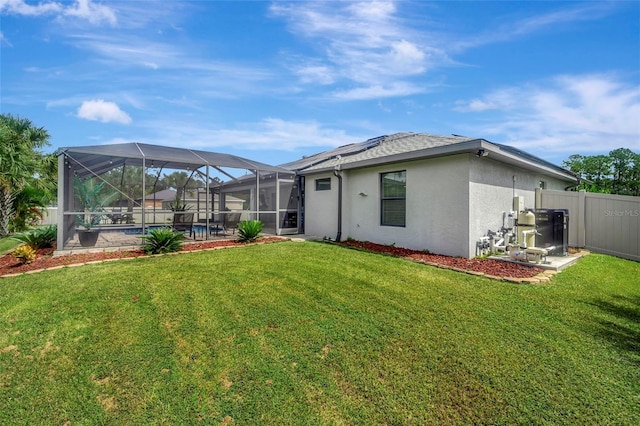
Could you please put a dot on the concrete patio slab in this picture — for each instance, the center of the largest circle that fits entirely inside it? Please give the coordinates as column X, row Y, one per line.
column 551, row 263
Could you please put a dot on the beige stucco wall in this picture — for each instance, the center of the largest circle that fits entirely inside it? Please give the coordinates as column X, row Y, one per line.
column 491, row 191
column 451, row 202
column 437, row 208
column 321, row 207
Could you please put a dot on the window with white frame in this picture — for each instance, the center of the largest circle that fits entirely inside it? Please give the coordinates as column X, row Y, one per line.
column 393, row 198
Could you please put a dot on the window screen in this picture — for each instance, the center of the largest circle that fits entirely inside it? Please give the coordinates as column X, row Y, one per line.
column 393, row 190
column 323, row 184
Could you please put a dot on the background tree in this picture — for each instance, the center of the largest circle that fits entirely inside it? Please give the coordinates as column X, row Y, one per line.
column 616, row 173
column 182, row 182
column 128, row 181
column 27, row 176
column 622, row 162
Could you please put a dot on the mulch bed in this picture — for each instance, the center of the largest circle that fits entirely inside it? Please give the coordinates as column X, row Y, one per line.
column 45, row 258
column 490, row 267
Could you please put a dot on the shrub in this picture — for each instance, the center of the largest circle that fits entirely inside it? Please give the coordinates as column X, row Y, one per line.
column 24, row 254
column 163, row 240
column 39, row 238
column 249, row 230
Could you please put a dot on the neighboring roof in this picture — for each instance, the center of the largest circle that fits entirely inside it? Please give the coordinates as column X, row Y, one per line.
column 413, row 146
column 165, row 194
column 102, row 158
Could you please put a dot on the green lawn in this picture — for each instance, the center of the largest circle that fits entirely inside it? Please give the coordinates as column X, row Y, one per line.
column 7, row 243
column 311, row 333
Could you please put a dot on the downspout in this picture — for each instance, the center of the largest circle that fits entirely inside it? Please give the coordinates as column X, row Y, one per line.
column 337, row 174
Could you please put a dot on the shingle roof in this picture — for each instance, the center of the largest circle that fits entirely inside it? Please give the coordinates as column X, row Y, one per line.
column 380, row 147
column 412, row 146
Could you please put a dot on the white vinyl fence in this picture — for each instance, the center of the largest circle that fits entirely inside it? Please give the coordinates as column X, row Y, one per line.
column 50, row 216
column 602, row 223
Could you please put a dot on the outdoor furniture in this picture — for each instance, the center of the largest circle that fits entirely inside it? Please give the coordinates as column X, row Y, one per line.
column 231, row 221
column 116, row 216
column 215, row 229
column 183, row 222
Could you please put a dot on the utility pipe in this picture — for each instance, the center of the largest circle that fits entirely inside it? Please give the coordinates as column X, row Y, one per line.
column 337, row 174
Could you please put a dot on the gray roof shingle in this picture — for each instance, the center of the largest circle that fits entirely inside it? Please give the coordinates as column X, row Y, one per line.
column 400, row 147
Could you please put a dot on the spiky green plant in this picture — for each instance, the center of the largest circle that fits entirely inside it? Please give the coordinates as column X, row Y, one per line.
column 162, row 240
column 38, row 238
column 92, row 200
column 249, row 230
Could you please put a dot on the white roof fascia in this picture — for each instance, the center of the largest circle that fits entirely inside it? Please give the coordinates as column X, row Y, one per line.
column 508, row 157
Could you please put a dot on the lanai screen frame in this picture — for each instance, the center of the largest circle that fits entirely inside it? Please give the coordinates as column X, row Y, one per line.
column 87, row 161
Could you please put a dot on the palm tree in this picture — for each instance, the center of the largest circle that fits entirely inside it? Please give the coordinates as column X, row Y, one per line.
column 21, row 164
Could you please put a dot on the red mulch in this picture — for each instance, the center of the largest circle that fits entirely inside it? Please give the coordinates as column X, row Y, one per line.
column 45, row 259
column 491, row 267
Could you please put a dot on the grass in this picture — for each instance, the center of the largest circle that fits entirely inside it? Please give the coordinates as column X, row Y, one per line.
column 308, row 333
column 7, row 243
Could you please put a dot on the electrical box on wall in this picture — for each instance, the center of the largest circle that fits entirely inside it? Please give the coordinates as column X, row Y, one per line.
column 518, row 203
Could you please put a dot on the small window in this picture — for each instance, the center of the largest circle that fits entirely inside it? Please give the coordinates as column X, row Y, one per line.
column 393, row 198
column 323, row 184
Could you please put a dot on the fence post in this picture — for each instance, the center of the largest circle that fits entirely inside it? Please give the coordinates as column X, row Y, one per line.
column 538, row 202
column 582, row 208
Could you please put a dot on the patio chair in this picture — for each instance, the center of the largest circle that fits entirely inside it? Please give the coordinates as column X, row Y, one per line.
column 116, row 215
column 231, row 221
column 183, row 222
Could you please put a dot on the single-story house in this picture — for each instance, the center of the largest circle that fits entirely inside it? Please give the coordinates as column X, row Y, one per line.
column 160, row 199
column 415, row 190
column 420, row 191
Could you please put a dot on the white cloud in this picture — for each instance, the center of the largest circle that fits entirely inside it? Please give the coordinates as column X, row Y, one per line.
column 92, row 12
column 502, row 99
column 105, row 112
column 569, row 114
column 268, row 134
column 394, row 89
column 85, row 9
column 505, row 31
column 20, row 7
column 366, row 45
column 317, row 74
column 3, row 40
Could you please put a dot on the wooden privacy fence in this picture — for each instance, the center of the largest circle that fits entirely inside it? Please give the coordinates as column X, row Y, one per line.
column 603, row 223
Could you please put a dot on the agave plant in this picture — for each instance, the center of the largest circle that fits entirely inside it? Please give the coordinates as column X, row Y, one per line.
column 249, row 230
column 162, row 240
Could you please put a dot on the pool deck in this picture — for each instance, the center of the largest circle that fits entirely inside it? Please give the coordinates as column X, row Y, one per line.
column 116, row 238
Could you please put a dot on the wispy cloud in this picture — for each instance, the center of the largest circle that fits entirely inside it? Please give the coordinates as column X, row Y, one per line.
column 92, row 12
column 84, row 9
column 568, row 114
column 103, row 111
column 392, row 89
column 4, row 41
column 20, row 7
column 500, row 31
column 269, row 134
column 363, row 44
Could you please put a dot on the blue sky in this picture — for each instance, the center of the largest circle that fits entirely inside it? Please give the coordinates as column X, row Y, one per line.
column 273, row 81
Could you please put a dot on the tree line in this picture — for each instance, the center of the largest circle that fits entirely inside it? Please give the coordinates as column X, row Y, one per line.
column 616, row 173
